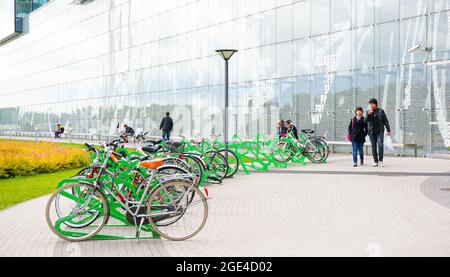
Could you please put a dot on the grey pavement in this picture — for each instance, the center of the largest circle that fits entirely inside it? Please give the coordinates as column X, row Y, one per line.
column 314, row 210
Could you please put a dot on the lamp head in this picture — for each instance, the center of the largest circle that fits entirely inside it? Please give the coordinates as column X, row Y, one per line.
column 414, row 49
column 226, row 54
column 418, row 47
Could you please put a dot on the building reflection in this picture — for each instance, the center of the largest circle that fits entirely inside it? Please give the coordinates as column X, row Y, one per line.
column 91, row 66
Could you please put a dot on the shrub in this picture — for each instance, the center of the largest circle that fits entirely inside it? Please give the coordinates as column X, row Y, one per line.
column 23, row 158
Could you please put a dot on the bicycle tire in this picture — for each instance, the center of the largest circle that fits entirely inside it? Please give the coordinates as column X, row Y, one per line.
column 310, row 151
column 81, row 238
column 231, row 171
column 196, row 167
column 211, row 157
column 157, row 228
column 291, row 152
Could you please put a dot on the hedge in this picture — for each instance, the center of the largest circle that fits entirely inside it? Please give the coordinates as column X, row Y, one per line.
column 24, row 158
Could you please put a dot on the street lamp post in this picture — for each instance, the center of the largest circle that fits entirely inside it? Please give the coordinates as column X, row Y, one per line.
column 226, row 54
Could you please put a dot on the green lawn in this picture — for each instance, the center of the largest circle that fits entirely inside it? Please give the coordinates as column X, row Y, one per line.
column 19, row 189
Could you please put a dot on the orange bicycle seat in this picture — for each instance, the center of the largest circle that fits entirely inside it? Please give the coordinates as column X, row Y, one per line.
column 151, row 164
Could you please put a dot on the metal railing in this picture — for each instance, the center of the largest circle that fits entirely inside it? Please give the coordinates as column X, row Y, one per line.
column 67, row 136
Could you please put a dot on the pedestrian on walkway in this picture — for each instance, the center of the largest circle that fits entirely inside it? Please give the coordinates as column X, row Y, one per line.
column 357, row 130
column 376, row 120
column 166, row 126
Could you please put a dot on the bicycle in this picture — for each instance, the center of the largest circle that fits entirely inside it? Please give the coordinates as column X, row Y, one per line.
column 230, row 156
column 320, row 141
column 160, row 202
column 292, row 148
column 214, row 164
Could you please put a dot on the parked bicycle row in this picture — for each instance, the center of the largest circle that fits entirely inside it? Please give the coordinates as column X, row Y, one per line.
column 158, row 187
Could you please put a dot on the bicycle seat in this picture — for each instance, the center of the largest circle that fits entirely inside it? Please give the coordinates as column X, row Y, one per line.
column 154, row 141
column 174, row 146
column 308, row 131
column 151, row 148
column 140, row 158
column 151, row 164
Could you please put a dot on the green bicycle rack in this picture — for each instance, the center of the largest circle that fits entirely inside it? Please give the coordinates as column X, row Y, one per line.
column 259, row 154
column 114, row 213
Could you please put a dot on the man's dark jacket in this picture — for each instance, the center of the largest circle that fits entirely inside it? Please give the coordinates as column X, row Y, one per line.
column 376, row 122
column 129, row 130
column 166, row 124
column 357, row 130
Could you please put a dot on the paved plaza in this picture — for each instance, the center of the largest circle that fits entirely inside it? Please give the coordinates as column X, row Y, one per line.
column 315, row 210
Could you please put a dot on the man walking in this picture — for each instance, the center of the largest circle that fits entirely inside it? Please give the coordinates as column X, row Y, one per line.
column 166, row 126
column 376, row 120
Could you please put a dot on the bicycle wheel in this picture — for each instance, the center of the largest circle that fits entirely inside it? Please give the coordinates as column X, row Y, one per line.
column 65, row 209
column 162, row 172
column 195, row 167
column 171, row 170
column 166, row 171
column 172, row 214
column 232, row 160
column 200, row 161
column 176, row 161
column 77, row 224
column 85, row 171
column 323, row 148
column 283, row 152
column 217, row 165
column 312, row 152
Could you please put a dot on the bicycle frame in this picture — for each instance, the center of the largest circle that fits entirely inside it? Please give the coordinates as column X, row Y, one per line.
column 147, row 192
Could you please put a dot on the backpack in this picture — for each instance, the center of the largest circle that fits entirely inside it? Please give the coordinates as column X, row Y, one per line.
column 349, row 138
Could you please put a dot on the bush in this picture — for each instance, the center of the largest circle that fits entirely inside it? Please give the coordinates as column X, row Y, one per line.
column 23, row 158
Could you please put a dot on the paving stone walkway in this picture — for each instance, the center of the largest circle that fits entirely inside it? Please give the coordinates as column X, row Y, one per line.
column 315, row 210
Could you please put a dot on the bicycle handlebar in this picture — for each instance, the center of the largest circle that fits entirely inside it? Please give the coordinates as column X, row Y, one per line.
column 141, row 136
column 88, row 146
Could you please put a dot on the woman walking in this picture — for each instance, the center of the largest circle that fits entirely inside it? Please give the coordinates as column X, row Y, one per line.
column 357, row 132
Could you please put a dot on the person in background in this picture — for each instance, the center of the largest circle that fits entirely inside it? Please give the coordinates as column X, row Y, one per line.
column 59, row 130
column 282, row 129
column 128, row 132
column 357, row 130
column 166, row 126
column 291, row 128
column 376, row 120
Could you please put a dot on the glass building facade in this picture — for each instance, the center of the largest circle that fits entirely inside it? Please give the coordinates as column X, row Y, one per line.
column 24, row 7
column 313, row 61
